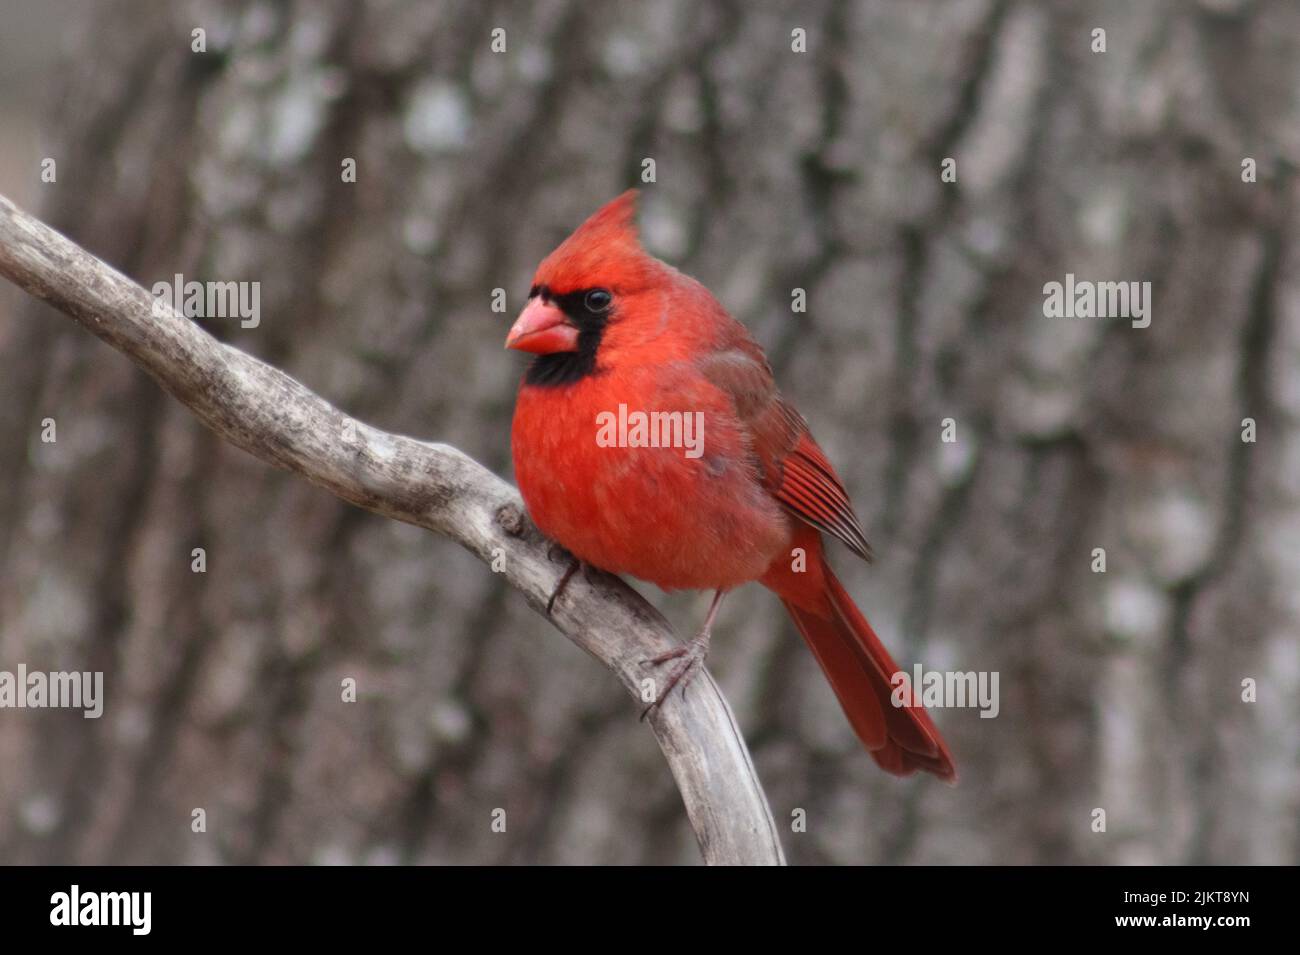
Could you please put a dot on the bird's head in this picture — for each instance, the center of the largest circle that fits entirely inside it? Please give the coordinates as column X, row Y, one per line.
column 581, row 289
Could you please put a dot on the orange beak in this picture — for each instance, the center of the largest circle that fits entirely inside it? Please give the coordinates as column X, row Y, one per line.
column 542, row 328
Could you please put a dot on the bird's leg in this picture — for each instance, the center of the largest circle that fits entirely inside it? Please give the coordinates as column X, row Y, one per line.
column 574, row 564
column 690, row 657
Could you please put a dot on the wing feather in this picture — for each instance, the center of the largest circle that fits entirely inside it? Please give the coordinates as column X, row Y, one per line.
column 792, row 467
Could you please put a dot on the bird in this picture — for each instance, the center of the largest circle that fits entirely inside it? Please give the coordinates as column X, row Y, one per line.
column 650, row 440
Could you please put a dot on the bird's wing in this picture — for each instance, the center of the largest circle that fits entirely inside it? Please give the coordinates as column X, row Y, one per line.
column 793, row 468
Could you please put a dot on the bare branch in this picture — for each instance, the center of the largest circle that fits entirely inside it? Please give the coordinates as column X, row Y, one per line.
column 277, row 419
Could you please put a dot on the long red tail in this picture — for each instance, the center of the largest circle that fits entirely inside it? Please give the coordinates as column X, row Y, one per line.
column 902, row 740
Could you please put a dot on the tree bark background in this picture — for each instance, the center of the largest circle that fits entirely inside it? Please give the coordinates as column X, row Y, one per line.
column 774, row 170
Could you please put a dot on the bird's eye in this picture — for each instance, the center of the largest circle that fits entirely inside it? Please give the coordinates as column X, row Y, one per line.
column 598, row 300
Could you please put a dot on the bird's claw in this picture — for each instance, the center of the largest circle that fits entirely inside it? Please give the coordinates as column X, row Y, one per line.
column 569, row 571
column 690, row 656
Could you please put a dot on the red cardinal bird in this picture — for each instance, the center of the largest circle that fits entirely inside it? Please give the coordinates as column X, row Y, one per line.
column 746, row 493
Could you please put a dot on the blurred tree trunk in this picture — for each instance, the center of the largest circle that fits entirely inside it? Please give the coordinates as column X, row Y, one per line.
column 774, row 170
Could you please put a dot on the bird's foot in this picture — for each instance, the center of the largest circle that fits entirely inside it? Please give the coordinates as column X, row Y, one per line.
column 574, row 565
column 689, row 657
